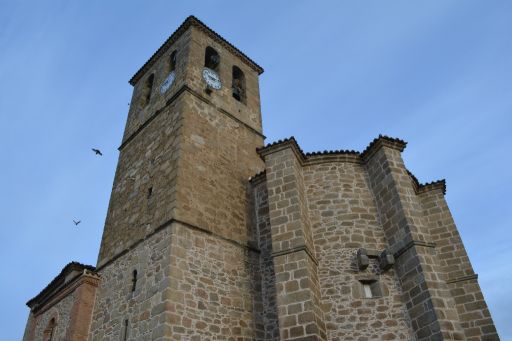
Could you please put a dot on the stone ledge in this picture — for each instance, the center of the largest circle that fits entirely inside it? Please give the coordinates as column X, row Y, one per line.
column 296, row 249
column 165, row 225
column 411, row 244
column 184, row 88
column 472, row 277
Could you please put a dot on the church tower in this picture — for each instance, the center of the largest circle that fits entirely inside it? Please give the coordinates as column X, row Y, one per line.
column 177, row 252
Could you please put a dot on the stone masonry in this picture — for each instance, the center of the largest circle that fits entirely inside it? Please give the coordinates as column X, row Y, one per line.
column 210, row 235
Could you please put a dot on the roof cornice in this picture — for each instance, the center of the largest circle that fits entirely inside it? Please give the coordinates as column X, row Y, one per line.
column 353, row 156
column 59, row 281
column 193, row 21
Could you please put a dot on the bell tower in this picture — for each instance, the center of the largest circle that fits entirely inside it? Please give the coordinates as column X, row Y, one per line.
column 190, row 141
column 177, row 255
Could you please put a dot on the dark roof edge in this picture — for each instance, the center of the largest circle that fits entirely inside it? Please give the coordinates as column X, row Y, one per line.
column 59, row 280
column 193, row 21
column 422, row 188
column 382, row 140
column 258, row 177
column 282, row 144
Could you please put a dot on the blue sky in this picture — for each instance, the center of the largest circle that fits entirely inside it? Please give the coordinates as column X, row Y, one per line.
column 337, row 73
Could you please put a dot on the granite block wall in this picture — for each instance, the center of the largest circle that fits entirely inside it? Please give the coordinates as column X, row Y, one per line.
column 143, row 308
column 144, row 190
column 344, row 218
column 215, row 288
column 258, row 191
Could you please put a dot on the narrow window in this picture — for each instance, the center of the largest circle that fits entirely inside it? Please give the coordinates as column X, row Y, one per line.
column 370, row 289
column 367, row 290
column 134, row 280
column 150, row 192
column 211, row 59
column 50, row 330
column 124, row 332
column 148, row 88
column 172, row 62
column 238, row 84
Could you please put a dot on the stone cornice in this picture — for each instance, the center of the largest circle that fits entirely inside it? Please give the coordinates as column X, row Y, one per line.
column 332, row 155
column 177, row 94
column 59, row 281
column 258, row 178
column 472, row 277
column 193, row 21
column 382, row 141
column 411, row 244
column 164, row 226
column 296, row 249
column 58, row 293
column 327, row 156
column 281, row 145
column 420, row 188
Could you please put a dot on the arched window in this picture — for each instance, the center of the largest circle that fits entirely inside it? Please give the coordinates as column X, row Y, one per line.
column 172, row 61
column 211, row 59
column 134, row 280
column 148, row 88
column 238, row 84
column 49, row 332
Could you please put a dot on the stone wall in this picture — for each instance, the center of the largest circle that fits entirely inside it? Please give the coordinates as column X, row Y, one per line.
column 344, row 218
column 144, row 308
column 218, row 155
column 214, row 289
column 473, row 311
column 64, row 308
column 264, row 237
column 147, row 163
column 61, row 312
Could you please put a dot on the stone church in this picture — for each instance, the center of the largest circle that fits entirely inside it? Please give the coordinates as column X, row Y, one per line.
column 212, row 235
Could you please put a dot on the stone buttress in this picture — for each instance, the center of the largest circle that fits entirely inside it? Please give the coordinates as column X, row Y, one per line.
column 360, row 249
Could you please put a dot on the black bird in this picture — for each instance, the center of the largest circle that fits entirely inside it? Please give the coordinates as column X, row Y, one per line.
column 76, row 222
column 97, row 151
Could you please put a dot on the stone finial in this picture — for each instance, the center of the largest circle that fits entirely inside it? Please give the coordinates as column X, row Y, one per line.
column 386, row 260
column 362, row 259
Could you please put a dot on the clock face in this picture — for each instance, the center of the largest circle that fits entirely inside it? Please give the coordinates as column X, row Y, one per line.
column 212, row 78
column 166, row 84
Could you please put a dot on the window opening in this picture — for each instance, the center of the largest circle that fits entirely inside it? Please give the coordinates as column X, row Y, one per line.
column 148, row 88
column 367, row 290
column 134, row 280
column 150, row 192
column 50, row 330
column 371, row 289
column 211, row 59
column 124, row 336
column 172, row 61
column 238, row 84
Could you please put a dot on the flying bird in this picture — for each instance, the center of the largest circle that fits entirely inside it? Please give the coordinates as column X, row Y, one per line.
column 97, row 151
column 76, row 222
